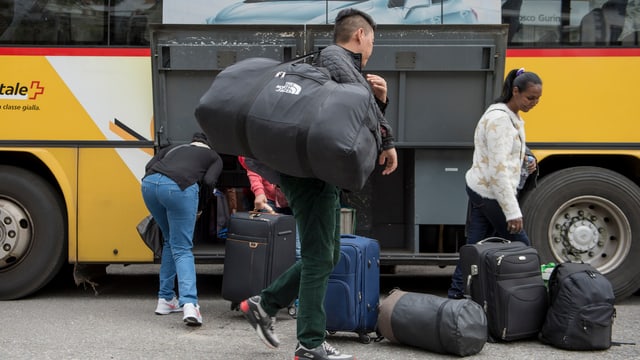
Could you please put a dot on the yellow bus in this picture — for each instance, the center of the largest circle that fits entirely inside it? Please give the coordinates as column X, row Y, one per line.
column 586, row 206
column 77, row 116
column 76, row 112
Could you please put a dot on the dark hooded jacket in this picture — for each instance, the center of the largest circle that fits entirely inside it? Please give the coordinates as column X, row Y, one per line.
column 346, row 67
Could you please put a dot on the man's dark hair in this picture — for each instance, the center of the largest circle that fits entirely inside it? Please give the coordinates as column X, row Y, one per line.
column 348, row 21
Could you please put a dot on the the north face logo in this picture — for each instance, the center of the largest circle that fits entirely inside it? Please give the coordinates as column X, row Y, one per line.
column 289, row 88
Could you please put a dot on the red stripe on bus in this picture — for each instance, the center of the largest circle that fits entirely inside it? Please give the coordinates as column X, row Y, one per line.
column 574, row 52
column 44, row 51
column 567, row 52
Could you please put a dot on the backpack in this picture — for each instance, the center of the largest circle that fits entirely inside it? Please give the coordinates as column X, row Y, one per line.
column 581, row 311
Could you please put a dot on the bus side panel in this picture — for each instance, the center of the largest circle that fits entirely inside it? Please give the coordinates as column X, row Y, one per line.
column 91, row 101
column 35, row 97
column 578, row 89
column 109, row 208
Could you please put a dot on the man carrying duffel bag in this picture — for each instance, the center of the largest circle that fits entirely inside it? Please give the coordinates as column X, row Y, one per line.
column 315, row 204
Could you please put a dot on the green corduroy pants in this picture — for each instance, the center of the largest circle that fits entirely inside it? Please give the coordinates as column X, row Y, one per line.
column 316, row 207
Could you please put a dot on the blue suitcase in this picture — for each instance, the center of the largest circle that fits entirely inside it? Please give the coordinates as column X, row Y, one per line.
column 353, row 293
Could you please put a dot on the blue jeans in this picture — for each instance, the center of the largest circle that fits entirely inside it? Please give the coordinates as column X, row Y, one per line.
column 175, row 212
column 484, row 219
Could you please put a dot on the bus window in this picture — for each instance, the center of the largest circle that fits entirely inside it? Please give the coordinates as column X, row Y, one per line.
column 603, row 25
column 558, row 23
column 544, row 23
column 6, row 14
column 88, row 22
column 630, row 34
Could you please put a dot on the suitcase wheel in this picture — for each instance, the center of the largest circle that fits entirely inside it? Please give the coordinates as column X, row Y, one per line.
column 293, row 311
column 364, row 338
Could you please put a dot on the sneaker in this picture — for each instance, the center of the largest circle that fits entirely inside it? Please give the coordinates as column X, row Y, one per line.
column 192, row 315
column 260, row 320
column 322, row 352
column 167, row 307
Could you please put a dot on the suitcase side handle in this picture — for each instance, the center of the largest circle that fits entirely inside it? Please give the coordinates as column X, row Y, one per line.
column 473, row 272
column 494, row 239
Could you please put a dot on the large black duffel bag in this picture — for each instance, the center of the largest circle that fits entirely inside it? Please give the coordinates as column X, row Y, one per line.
column 293, row 118
column 433, row 323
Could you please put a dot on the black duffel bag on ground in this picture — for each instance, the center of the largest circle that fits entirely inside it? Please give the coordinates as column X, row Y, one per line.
column 294, row 119
column 433, row 323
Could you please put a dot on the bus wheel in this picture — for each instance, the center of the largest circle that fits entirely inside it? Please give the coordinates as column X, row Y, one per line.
column 588, row 214
column 32, row 233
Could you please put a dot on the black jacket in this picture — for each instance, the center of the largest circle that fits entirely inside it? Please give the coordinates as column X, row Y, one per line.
column 187, row 165
column 346, row 67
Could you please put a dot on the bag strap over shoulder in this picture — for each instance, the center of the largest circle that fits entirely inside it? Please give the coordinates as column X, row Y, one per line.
column 300, row 58
column 176, row 148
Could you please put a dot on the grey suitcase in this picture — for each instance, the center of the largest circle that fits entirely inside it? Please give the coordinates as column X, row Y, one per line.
column 505, row 279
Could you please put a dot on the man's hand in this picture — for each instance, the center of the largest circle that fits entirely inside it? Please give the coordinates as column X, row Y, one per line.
column 389, row 158
column 379, row 87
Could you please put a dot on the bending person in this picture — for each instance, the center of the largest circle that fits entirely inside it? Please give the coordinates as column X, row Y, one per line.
column 170, row 189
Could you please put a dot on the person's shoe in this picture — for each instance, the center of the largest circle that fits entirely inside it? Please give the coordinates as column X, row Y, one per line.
column 192, row 314
column 456, row 296
column 167, row 307
column 260, row 320
column 322, row 352
column 335, row 354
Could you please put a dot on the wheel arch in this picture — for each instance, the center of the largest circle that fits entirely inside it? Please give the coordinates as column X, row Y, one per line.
column 624, row 164
column 40, row 163
column 29, row 161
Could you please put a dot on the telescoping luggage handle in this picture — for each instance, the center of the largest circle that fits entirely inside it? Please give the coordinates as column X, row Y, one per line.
column 473, row 271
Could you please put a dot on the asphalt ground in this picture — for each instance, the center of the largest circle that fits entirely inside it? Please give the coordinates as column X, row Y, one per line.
column 65, row 321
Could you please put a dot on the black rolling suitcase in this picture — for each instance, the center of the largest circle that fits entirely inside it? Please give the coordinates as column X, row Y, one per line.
column 259, row 247
column 505, row 279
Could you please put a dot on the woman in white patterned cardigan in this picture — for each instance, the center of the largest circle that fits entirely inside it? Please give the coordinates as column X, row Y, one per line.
column 498, row 158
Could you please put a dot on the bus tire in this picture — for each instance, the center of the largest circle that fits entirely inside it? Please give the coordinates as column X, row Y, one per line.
column 589, row 214
column 32, row 232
